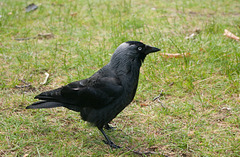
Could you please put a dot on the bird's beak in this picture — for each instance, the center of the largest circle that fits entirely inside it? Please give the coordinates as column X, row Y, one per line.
column 150, row 49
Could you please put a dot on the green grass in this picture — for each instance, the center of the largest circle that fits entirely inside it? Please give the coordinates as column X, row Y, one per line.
column 195, row 88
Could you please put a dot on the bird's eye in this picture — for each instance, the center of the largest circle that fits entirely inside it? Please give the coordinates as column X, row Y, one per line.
column 139, row 48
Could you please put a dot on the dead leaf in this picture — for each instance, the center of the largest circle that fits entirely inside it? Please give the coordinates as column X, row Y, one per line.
column 10, row 13
column 143, row 105
column 226, row 108
column 153, row 148
column 31, row 7
column 230, row 35
column 45, row 35
column 25, row 155
column 191, row 36
column 191, row 133
column 176, row 55
column 73, row 14
column 196, row 32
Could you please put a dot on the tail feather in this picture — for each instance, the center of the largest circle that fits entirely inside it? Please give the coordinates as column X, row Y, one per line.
column 44, row 104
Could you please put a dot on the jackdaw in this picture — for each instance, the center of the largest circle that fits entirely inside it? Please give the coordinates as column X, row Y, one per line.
column 101, row 97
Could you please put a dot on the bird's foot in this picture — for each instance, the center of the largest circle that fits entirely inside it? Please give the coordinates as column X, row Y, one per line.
column 111, row 144
column 108, row 127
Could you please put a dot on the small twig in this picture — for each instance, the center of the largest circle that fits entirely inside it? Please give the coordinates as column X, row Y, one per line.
column 23, row 86
column 230, row 35
column 39, row 36
column 161, row 104
column 23, row 81
column 26, row 85
column 46, row 78
column 171, row 84
column 158, row 95
column 141, row 153
column 157, row 98
column 20, row 39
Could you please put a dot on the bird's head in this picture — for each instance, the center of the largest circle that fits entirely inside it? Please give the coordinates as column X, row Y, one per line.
column 133, row 50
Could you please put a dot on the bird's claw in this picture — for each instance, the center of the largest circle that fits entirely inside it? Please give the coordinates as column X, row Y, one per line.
column 111, row 144
column 108, row 127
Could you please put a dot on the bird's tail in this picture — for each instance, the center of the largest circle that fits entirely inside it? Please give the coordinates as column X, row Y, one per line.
column 44, row 104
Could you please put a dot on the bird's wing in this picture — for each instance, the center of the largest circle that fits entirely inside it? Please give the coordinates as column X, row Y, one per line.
column 94, row 93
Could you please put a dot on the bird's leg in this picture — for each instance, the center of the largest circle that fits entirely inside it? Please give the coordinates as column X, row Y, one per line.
column 108, row 127
column 108, row 141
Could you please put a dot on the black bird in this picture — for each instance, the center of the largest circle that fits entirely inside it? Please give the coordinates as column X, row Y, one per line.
column 101, row 97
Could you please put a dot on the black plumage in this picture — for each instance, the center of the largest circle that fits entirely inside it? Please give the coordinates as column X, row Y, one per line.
column 101, row 97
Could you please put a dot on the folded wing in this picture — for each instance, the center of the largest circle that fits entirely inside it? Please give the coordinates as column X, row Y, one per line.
column 92, row 92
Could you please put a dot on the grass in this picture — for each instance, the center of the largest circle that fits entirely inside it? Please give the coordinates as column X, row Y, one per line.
column 195, row 89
